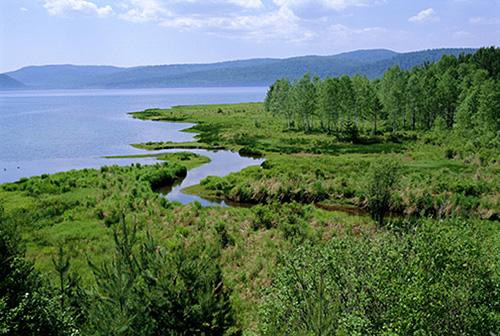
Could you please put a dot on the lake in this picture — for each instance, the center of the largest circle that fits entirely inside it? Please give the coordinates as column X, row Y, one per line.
column 59, row 130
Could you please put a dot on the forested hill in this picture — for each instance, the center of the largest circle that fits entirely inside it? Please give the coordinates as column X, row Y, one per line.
column 253, row 72
column 9, row 83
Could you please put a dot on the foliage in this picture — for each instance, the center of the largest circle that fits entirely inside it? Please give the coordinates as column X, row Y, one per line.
column 433, row 280
column 429, row 185
column 454, row 93
column 150, row 290
column 27, row 306
column 383, row 179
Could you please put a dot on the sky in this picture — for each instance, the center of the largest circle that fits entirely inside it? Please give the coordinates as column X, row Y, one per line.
column 142, row 32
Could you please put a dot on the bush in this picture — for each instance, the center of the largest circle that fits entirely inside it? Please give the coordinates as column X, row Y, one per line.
column 27, row 304
column 350, row 132
column 151, row 290
column 216, row 183
column 264, row 217
column 450, row 153
column 383, row 179
column 435, row 280
column 250, row 152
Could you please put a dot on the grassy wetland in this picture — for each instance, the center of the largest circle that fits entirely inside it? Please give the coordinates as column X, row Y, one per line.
column 363, row 223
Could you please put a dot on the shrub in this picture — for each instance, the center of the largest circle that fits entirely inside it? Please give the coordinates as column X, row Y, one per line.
column 150, row 290
column 383, row 179
column 434, row 280
column 27, row 304
column 350, row 131
column 250, row 152
column 216, row 183
column 264, row 217
column 450, row 153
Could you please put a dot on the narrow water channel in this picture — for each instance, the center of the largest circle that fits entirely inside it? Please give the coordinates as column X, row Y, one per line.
column 223, row 162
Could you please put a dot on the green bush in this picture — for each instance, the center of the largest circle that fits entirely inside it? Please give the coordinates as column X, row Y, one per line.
column 28, row 306
column 250, row 152
column 150, row 290
column 383, row 179
column 438, row 279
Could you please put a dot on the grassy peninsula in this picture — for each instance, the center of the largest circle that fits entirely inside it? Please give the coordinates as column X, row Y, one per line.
column 315, row 167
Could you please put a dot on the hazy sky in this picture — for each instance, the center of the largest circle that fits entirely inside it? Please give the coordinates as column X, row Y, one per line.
column 138, row 32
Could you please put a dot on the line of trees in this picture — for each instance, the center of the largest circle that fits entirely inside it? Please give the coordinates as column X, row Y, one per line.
column 455, row 93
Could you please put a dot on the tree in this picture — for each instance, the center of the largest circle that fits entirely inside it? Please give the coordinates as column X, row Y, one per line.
column 375, row 111
column 435, row 279
column 487, row 119
column 467, row 110
column 346, row 98
column 363, row 97
column 277, row 98
column 329, row 103
column 448, row 93
column 27, row 304
column 393, row 97
column 414, row 104
column 383, row 180
column 61, row 265
column 148, row 289
column 489, row 60
column 304, row 102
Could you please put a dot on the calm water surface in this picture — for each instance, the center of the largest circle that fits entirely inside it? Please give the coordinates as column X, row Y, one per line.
column 223, row 162
column 53, row 131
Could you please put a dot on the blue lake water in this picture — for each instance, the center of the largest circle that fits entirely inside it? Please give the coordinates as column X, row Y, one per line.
column 59, row 130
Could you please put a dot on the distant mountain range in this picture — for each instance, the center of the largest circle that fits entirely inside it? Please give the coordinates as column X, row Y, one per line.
column 252, row 72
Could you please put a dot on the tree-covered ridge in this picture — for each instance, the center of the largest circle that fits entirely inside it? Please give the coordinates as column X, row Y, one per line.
column 252, row 72
column 457, row 93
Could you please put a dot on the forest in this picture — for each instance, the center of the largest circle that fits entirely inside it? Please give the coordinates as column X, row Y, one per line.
column 375, row 212
column 459, row 94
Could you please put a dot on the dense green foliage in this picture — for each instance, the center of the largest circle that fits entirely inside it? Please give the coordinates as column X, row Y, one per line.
column 153, row 290
column 460, row 94
column 433, row 280
column 155, row 267
column 27, row 304
column 108, row 275
column 383, row 180
column 75, row 208
column 430, row 184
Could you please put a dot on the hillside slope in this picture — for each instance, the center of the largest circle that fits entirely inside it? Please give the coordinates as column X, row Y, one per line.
column 9, row 83
column 62, row 76
column 252, row 72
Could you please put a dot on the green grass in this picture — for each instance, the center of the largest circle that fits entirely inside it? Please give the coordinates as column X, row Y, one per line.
column 187, row 159
column 80, row 216
column 174, row 145
column 317, row 167
column 77, row 209
column 247, row 125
